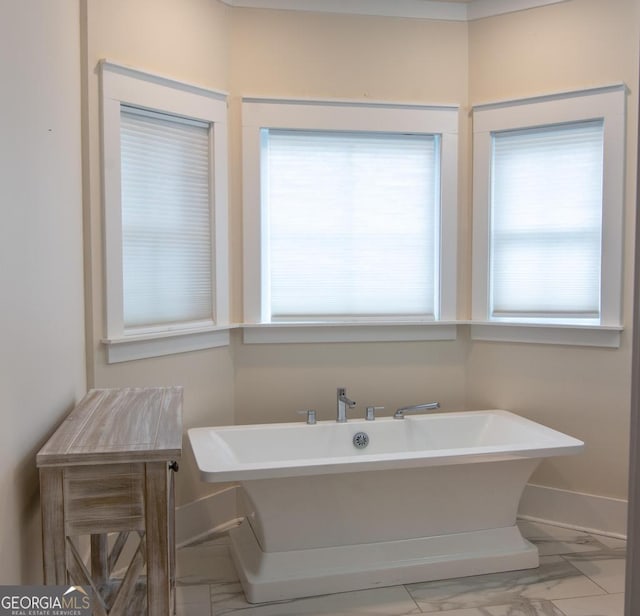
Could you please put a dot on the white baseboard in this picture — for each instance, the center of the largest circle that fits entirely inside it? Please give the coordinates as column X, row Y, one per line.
column 595, row 514
column 217, row 513
column 209, row 515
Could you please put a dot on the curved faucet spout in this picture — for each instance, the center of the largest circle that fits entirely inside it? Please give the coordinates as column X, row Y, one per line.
column 399, row 414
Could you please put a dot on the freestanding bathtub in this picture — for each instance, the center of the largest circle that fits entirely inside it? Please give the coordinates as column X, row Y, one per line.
column 430, row 497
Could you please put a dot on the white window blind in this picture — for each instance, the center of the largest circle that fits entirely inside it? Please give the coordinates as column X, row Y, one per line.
column 166, row 226
column 352, row 222
column 546, row 221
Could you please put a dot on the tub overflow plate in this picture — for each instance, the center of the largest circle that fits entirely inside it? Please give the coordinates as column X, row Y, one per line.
column 360, row 440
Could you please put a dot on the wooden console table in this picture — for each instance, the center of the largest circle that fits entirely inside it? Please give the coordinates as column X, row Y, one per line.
column 107, row 474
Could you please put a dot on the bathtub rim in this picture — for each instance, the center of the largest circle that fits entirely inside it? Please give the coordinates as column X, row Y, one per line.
column 214, row 469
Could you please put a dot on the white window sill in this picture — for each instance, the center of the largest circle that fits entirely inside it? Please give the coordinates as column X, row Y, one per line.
column 157, row 344
column 546, row 333
column 388, row 331
column 348, row 331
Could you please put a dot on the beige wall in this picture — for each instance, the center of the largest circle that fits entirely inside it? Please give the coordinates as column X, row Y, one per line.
column 583, row 391
column 309, row 55
column 572, row 45
column 321, row 56
column 251, row 52
column 301, row 54
column 189, row 41
column 274, row 381
column 248, row 52
column 204, row 42
column 42, row 369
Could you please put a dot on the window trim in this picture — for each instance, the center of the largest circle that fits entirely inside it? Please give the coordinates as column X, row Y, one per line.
column 261, row 113
column 328, row 332
column 607, row 103
column 121, row 85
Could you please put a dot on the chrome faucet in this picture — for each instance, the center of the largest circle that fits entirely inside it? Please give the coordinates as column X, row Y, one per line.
column 399, row 414
column 343, row 404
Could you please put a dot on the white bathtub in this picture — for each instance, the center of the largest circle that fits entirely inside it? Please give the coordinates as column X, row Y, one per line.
column 431, row 497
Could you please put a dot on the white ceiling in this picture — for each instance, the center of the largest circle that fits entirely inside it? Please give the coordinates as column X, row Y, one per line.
column 456, row 10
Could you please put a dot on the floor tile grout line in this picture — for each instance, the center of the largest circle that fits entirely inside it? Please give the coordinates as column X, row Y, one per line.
column 404, row 586
column 562, row 612
column 604, row 590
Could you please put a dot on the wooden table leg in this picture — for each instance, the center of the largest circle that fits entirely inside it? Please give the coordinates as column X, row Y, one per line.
column 53, row 532
column 172, row 538
column 157, row 540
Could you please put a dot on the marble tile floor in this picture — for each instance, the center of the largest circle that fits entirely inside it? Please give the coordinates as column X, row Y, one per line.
column 580, row 574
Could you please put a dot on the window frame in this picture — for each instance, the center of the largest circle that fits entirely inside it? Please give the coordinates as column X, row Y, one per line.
column 122, row 85
column 606, row 104
column 348, row 116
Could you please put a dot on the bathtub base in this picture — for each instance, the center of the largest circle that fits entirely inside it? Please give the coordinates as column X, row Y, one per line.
column 272, row 576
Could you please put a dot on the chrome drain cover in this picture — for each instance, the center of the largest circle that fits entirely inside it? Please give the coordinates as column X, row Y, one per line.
column 360, row 440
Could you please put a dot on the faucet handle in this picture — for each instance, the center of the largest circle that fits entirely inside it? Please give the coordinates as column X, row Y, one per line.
column 311, row 415
column 371, row 411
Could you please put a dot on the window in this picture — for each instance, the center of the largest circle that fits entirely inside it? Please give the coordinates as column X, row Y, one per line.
column 165, row 215
column 344, row 210
column 166, row 239
column 548, row 182
column 546, row 206
column 351, row 224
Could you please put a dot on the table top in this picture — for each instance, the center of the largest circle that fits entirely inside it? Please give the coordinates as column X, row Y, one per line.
column 142, row 424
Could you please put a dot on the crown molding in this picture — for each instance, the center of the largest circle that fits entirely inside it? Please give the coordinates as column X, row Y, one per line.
column 453, row 10
column 478, row 9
